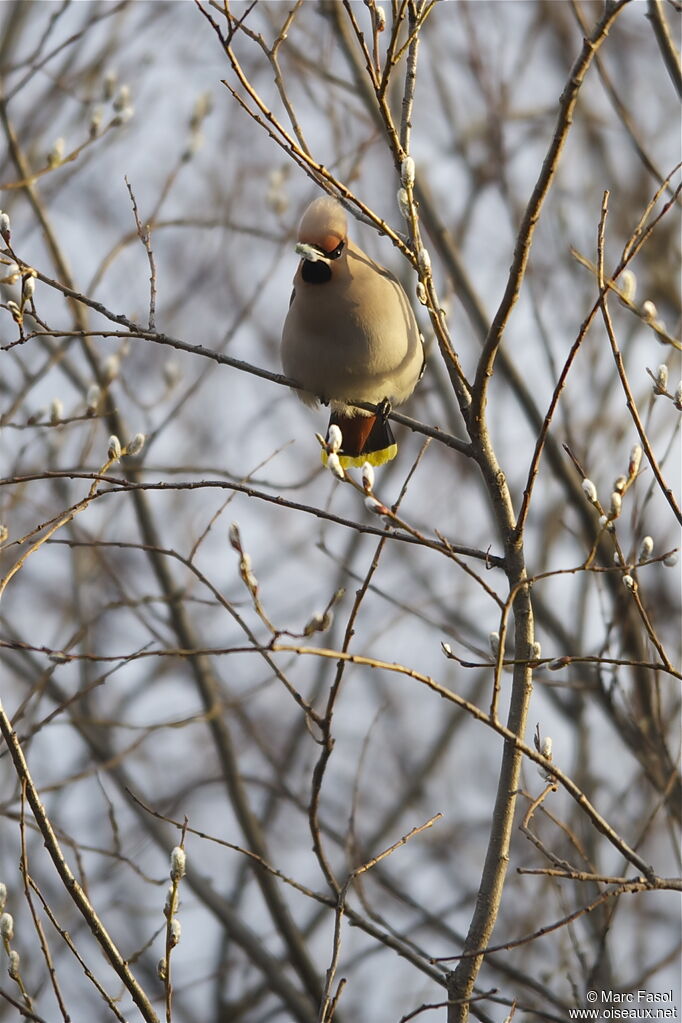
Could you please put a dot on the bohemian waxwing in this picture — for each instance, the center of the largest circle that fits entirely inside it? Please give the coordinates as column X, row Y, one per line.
column 350, row 335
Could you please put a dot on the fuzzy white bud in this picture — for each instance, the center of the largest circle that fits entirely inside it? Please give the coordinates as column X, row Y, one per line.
column 371, row 504
column 56, row 154
column 235, row 536
column 628, row 285
column 93, row 398
column 175, row 932
column 616, row 504
column 645, row 548
column 670, row 561
column 3, row 895
column 619, row 484
column 403, row 203
column 334, row 438
column 122, row 99
column 203, row 105
column 136, row 444
column 56, row 410
column 447, row 649
column 319, row 623
column 4, row 533
column 96, row 118
column 407, row 172
column 536, row 651
column 335, row 467
column 161, row 969
column 589, row 490
column 170, row 907
column 28, row 288
column 635, row 460
column 14, row 964
column 5, row 226
column 421, row 293
column 368, row 477
column 277, row 199
column 196, row 142
column 114, row 448
column 661, row 385
column 649, row 309
column 124, row 116
column 178, row 863
column 424, row 260
column 544, row 747
column 171, row 373
column 277, row 177
column 379, row 18
column 6, row 926
column 110, row 368
column 678, row 396
column 629, row 582
column 110, row 80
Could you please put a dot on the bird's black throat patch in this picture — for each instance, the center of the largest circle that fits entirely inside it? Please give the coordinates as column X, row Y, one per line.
column 316, row 273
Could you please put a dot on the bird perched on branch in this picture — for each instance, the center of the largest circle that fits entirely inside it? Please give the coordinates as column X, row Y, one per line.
column 350, row 335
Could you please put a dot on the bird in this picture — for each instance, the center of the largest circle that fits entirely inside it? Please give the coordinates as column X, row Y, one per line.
column 350, row 335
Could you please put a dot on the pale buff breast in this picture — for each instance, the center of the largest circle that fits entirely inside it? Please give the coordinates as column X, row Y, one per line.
column 354, row 337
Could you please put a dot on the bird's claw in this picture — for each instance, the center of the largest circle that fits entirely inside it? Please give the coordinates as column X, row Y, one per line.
column 384, row 409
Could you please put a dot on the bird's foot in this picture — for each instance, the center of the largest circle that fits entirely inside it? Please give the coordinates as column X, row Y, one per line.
column 384, row 409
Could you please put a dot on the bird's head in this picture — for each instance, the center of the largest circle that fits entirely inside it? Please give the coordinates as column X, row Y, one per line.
column 323, row 231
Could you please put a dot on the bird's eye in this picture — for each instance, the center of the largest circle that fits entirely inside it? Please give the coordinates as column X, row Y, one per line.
column 336, row 252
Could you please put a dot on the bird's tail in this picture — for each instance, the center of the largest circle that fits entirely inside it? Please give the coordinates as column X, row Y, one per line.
column 366, row 438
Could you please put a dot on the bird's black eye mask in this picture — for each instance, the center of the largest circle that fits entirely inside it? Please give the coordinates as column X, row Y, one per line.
column 336, row 252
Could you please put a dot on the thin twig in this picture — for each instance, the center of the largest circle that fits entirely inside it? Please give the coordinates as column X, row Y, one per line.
column 618, row 358
column 144, row 234
column 451, row 696
column 531, row 215
column 671, row 57
column 71, row 885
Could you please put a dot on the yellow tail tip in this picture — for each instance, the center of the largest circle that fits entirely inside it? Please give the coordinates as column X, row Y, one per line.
column 357, row 461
